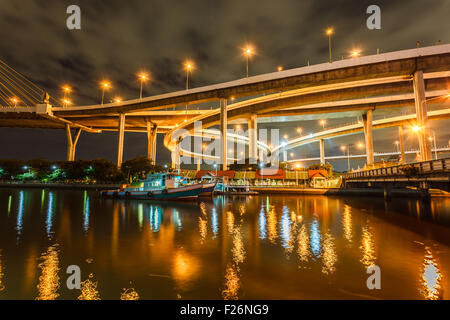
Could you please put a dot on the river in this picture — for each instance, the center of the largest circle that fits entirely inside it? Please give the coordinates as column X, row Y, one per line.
column 259, row 247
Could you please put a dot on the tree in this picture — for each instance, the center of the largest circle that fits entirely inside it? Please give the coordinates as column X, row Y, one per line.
column 138, row 167
column 12, row 167
column 40, row 167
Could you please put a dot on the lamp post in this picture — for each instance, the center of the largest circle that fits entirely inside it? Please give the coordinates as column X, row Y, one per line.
column 14, row 100
column 143, row 77
column 329, row 33
column 248, row 52
column 433, row 139
column 355, row 53
column 66, row 90
column 105, row 85
column 188, row 66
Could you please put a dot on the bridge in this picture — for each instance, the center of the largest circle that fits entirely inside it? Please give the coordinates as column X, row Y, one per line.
column 366, row 86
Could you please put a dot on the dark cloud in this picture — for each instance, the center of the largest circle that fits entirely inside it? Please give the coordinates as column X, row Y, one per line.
column 118, row 38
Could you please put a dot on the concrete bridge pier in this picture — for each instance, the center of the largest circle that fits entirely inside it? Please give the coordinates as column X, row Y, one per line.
column 152, row 133
column 72, row 142
column 367, row 122
column 322, row 151
column 421, row 114
column 223, row 130
column 253, row 138
column 120, row 139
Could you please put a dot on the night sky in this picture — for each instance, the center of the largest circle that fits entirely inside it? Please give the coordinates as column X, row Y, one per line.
column 118, row 38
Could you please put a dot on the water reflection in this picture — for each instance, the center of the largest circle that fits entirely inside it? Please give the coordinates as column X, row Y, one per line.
column 431, row 277
column 20, row 214
column 185, row 268
column 49, row 220
column 86, row 212
column 129, row 294
column 2, row 286
column 329, row 256
column 286, row 229
column 228, row 248
column 89, row 289
column 303, row 244
column 367, row 247
column 315, row 238
column 347, row 223
column 262, row 223
column 214, row 222
column 48, row 285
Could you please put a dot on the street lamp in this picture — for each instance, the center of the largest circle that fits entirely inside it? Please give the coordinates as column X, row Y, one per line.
column 105, row 85
column 14, row 100
column 66, row 89
column 355, row 53
column 344, row 148
column 280, row 68
column 248, row 52
column 143, row 77
column 329, row 32
column 323, row 122
column 66, row 102
column 433, row 139
column 117, row 99
column 299, row 130
column 188, row 66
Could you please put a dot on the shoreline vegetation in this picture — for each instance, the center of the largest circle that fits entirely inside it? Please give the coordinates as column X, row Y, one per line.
column 79, row 172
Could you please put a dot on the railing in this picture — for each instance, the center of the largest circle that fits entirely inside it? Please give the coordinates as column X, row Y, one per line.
column 411, row 169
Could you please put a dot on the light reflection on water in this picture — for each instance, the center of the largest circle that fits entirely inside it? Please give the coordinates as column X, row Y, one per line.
column 48, row 285
column 228, row 248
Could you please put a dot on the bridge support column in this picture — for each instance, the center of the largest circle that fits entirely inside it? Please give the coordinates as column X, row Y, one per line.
column 120, row 139
column 401, row 144
column 421, row 115
column 367, row 121
column 152, row 132
column 71, row 142
column 252, row 139
column 322, row 151
column 223, row 131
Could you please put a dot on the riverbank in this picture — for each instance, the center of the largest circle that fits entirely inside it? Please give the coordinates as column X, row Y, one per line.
column 408, row 193
column 378, row 192
column 75, row 186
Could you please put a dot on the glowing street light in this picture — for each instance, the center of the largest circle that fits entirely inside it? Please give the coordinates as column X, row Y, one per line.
column 143, row 78
column 329, row 32
column 14, row 100
column 286, row 137
column 323, row 122
column 280, row 68
column 117, row 99
column 416, row 128
column 188, row 66
column 104, row 85
column 355, row 53
column 248, row 52
column 66, row 89
column 66, row 102
column 299, row 130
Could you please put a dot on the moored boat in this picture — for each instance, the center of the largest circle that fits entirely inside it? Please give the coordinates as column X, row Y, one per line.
column 163, row 186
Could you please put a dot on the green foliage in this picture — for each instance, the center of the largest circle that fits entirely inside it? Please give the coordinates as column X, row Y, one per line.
column 12, row 167
column 137, row 168
column 98, row 170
